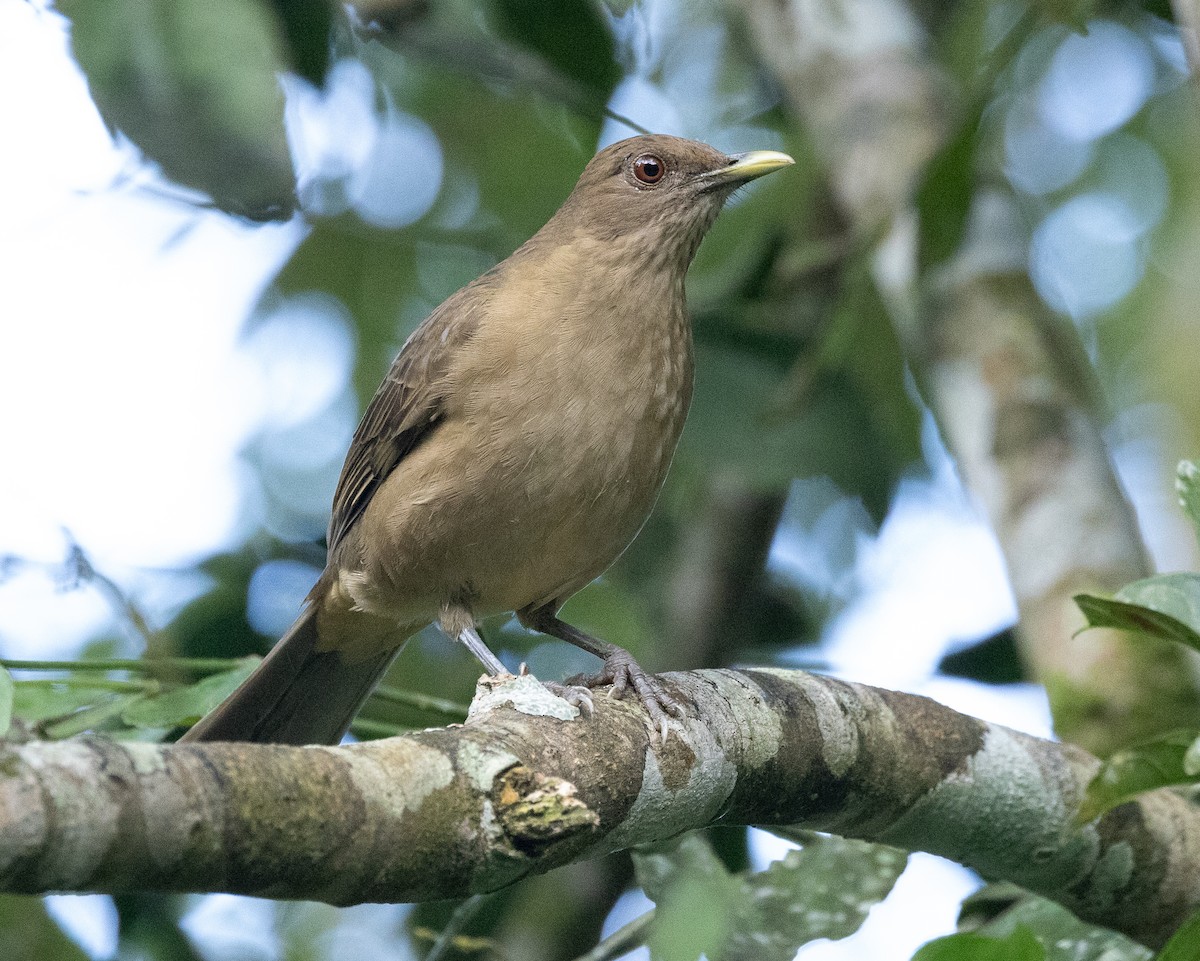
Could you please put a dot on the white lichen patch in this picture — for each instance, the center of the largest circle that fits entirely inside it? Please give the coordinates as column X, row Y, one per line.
column 746, row 719
column 145, row 758
column 489, row 826
column 396, row 774
column 838, row 727
column 524, row 692
column 483, row 763
column 660, row 811
column 86, row 816
column 1003, row 815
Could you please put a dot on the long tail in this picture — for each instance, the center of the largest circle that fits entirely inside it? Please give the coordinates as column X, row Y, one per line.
column 297, row 695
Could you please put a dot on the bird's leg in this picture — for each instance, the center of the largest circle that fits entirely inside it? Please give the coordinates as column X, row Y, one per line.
column 475, row 644
column 457, row 622
column 620, row 669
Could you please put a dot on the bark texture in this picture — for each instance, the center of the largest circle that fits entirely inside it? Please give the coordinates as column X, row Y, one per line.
column 523, row 787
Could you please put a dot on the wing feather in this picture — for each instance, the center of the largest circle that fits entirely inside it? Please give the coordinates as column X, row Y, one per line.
column 405, row 411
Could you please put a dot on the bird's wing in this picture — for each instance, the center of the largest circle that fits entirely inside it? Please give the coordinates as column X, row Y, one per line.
column 403, row 413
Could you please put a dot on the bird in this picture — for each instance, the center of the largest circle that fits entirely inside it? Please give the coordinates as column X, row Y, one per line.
column 513, row 451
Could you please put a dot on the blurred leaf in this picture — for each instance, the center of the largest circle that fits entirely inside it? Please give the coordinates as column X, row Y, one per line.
column 6, row 701
column 195, row 84
column 1184, row 944
column 508, row 199
column 823, row 890
column 875, row 363
column 735, row 427
column 1187, row 486
column 1166, row 606
column 570, row 35
column 1071, row 13
column 214, row 624
column 1063, row 936
column 993, row 660
column 30, row 934
column 95, row 718
column 1021, row 945
column 148, row 925
column 306, row 28
column 698, row 901
column 493, row 61
column 944, row 196
column 41, row 700
column 1127, row 773
column 186, row 705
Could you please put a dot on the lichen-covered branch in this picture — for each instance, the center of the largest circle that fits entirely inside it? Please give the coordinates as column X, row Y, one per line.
column 1003, row 376
column 518, row 790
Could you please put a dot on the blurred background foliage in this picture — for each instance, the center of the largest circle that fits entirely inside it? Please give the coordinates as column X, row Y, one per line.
column 409, row 145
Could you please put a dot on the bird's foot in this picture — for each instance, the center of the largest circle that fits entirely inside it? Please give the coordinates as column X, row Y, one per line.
column 624, row 673
column 577, row 695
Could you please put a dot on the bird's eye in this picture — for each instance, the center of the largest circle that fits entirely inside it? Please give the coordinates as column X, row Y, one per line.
column 649, row 169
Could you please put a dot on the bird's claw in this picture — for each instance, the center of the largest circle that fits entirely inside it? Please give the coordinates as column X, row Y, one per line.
column 579, row 696
column 623, row 672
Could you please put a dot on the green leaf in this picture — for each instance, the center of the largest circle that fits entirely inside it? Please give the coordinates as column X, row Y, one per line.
column 98, row 717
column 574, row 39
column 1184, row 944
column 6, row 701
column 698, row 901
column 823, row 890
column 1166, row 606
column 40, row 700
column 306, row 27
column 186, row 705
column 734, row 427
column 1021, row 945
column 1127, row 773
column 1063, row 936
column 194, row 83
column 1187, row 486
column 944, row 196
column 30, row 934
column 875, row 364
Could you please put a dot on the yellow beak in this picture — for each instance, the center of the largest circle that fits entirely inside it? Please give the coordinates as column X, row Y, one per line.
column 748, row 166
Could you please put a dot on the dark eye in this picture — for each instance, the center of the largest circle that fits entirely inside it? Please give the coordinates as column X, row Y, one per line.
column 649, row 169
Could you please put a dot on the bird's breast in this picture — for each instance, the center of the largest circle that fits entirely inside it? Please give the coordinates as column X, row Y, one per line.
column 582, row 405
column 561, row 416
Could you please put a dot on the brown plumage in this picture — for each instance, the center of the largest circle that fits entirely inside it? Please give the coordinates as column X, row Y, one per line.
column 515, row 448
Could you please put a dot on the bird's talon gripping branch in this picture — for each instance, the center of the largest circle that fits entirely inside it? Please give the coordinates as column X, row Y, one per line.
column 577, row 695
column 624, row 673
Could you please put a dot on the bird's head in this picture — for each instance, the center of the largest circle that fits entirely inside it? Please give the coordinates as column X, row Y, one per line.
column 660, row 192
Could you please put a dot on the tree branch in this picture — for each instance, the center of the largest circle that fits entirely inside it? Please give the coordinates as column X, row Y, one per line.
column 516, row 791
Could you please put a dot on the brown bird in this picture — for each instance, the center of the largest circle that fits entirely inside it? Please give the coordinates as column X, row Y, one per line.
column 514, row 450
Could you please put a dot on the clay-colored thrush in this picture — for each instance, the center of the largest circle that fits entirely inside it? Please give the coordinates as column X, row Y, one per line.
column 515, row 448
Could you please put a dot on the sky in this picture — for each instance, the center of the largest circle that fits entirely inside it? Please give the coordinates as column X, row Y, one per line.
column 128, row 405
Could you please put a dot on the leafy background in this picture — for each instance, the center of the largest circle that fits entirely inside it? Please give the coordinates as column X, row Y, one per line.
column 224, row 216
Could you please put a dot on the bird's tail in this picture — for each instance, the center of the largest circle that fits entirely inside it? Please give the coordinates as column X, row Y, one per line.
column 299, row 694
